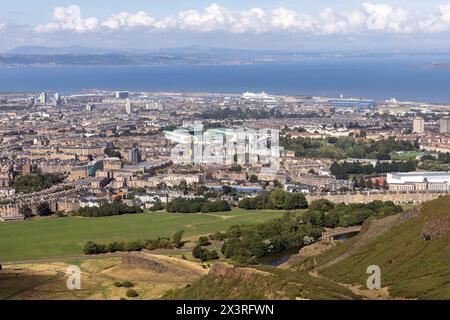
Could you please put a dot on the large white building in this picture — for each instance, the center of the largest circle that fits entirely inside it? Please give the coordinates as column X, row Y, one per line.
column 419, row 181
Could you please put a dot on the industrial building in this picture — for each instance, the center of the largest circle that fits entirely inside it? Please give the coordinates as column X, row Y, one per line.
column 419, row 181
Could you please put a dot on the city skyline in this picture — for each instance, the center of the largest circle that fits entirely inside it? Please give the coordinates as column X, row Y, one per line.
column 286, row 25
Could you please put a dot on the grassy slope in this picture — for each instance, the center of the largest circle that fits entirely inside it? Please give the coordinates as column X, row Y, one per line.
column 410, row 266
column 280, row 284
column 65, row 236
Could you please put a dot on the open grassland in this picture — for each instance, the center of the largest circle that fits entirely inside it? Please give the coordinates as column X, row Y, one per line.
column 56, row 237
column 98, row 277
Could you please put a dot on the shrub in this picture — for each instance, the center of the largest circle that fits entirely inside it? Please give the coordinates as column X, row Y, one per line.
column 131, row 293
column 91, row 247
column 203, row 241
column 117, row 284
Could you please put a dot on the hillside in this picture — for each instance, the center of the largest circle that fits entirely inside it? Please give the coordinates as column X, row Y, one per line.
column 412, row 249
column 236, row 283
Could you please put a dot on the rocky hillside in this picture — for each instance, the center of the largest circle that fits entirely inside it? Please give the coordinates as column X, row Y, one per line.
column 411, row 248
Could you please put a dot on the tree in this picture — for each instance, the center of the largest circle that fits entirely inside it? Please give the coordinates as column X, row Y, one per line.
column 296, row 201
column 227, row 189
column 91, row 247
column 197, row 251
column 278, row 198
column 26, row 211
column 253, row 178
column 43, row 209
column 177, row 239
column 203, row 241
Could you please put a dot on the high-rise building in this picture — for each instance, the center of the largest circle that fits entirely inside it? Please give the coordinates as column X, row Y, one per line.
column 418, row 125
column 122, row 95
column 43, row 98
column 129, row 107
column 444, row 125
column 134, row 156
column 57, row 99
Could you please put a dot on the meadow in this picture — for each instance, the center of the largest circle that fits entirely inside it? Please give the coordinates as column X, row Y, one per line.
column 58, row 237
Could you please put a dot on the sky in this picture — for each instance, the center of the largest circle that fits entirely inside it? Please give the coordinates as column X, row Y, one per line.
column 301, row 25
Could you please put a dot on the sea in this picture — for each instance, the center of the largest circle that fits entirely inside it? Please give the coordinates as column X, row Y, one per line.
column 404, row 78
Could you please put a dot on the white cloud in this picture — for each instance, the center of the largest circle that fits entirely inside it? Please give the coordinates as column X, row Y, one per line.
column 68, row 18
column 382, row 17
column 439, row 22
column 129, row 21
column 368, row 18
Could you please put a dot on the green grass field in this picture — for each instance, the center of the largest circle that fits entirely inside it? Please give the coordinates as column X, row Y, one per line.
column 404, row 156
column 53, row 237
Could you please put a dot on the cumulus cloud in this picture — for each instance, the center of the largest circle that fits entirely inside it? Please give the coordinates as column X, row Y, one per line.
column 68, row 18
column 369, row 17
column 129, row 21
column 439, row 22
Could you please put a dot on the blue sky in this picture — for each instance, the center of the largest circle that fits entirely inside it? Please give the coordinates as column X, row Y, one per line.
column 262, row 24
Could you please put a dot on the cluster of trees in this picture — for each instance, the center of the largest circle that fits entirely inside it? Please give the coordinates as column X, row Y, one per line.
column 115, row 208
column 35, row 182
column 110, row 152
column 346, row 147
column 204, row 254
column 245, row 244
column 277, row 199
column 430, row 163
column 197, row 205
column 42, row 210
column 326, row 214
column 92, row 247
column 343, row 170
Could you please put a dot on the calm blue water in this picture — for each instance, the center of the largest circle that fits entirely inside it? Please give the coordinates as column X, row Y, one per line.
column 377, row 78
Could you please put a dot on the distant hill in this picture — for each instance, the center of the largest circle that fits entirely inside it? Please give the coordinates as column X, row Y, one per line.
column 41, row 50
column 411, row 248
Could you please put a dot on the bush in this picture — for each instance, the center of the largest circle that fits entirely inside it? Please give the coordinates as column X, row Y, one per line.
column 91, row 247
column 131, row 293
column 117, row 284
column 177, row 239
column 203, row 241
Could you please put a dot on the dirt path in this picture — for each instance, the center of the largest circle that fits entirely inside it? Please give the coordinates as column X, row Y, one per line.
column 366, row 294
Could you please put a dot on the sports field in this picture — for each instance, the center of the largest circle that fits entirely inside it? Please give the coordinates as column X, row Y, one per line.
column 54, row 237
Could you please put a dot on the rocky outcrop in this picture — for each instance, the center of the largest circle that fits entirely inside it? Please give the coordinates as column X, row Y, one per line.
column 436, row 227
column 232, row 272
column 143, row 261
